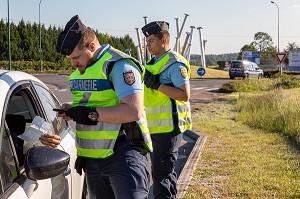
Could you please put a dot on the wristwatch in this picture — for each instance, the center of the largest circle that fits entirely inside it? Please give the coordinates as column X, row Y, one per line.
column 93, row 116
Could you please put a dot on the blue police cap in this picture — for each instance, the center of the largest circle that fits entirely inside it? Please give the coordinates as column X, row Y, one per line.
column 69, row 38
column 155, row 27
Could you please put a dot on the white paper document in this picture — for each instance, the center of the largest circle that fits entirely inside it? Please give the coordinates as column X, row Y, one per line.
column 37, row 128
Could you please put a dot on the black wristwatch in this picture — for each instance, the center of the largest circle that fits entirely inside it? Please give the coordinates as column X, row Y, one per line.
column 93, row 116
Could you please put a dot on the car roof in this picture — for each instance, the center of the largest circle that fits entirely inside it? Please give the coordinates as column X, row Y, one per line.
column 244, row 61
column 8, row 79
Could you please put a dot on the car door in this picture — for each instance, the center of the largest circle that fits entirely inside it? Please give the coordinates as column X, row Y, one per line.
column 250, row 69
column 257, row 70
column 62, row 128
column 21, row 105
column 24, row 101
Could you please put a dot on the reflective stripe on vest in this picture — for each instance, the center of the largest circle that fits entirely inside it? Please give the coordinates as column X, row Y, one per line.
column 145, row 134
column 161, row 113
column 93, row 89
column 94, row 143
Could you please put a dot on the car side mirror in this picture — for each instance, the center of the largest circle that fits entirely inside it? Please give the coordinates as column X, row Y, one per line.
column 43, row 162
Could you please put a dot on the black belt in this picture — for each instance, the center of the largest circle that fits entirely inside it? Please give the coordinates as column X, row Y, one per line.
column 129, row 132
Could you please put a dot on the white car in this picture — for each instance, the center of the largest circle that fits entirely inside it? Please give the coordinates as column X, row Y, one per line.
column 245, row 69
column 44, row 172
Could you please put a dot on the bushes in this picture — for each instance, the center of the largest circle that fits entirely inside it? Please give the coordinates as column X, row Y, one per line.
column 34, row 66
column 265, row 84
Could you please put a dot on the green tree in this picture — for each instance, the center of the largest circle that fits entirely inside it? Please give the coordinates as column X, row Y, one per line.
column 291, row 46
column 3, row 41
column 247, row 47
column 263, row 42
column 25, row 45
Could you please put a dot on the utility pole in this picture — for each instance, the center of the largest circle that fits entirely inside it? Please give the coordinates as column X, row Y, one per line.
column 41, row 51
column 9, row 48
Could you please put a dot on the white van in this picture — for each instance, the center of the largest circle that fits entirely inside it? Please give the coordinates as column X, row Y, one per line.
column 244, row 69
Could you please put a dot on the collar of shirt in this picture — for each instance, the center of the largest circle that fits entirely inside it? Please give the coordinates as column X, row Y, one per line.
column 105, row 47
column 157, row 59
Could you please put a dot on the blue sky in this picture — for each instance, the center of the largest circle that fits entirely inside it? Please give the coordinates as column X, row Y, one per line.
column 227, row 24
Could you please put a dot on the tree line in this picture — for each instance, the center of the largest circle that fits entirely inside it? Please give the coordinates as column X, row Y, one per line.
column 25, row 46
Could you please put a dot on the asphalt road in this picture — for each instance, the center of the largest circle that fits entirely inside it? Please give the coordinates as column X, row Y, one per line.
column 202, row 90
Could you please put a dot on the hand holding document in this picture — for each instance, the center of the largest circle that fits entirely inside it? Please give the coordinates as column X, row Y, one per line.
column 37, row 128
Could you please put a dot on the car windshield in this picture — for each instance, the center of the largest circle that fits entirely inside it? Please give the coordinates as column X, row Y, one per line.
column 236, row 65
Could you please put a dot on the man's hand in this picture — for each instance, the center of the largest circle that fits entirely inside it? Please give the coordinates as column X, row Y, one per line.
column 151, row 81
column 64, row 107
column 50, row 139
column 83, row 115
column 80, row 165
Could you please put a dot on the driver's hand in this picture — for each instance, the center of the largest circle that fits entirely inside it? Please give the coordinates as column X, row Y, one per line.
column 50, row 139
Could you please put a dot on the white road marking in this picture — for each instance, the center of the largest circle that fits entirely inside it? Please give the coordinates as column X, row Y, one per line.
column 212, row 89
column 199, row 88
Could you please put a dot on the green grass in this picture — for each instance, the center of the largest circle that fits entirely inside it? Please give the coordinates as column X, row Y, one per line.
column 239, row 161
column 277, row 111
column 265, row 84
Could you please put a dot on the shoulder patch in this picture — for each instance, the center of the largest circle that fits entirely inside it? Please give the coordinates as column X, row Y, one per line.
column 183, row 72
column 129, row 77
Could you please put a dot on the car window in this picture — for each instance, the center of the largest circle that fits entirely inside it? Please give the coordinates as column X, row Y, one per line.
column 236, row 65
column 21, row 109
column 49, row 102
column 251, row 66
column 17, row 105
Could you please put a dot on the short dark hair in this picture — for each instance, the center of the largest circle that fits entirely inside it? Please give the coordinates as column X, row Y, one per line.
column 88, row 37
column 160, row 35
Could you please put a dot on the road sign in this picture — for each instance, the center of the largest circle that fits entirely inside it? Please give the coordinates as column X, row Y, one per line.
column 280, row 57
column 201, row 71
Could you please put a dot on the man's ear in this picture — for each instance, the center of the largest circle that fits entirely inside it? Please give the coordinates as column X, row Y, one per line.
column 164, row 40
column 92, row 46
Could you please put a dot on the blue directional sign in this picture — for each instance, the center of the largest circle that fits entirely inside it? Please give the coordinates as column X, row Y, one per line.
column 201, row 71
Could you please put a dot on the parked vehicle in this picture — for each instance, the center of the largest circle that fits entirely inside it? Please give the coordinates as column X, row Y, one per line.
column 244, row 69
column 23, row 97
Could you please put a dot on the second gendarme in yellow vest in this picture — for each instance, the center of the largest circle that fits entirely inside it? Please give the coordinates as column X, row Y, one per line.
column 166, row 115
column 93, row 89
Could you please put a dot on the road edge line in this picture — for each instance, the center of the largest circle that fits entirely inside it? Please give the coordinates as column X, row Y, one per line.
column 190, row 165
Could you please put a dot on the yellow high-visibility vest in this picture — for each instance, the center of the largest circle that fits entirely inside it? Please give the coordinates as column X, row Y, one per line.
column 93, row 89
column 166, row 115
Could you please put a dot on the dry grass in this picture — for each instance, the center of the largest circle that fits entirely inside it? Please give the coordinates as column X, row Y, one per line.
column 211, row 72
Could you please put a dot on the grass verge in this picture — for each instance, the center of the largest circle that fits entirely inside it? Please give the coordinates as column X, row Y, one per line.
column 239, row 161
column 210, row 73
column 277, row 111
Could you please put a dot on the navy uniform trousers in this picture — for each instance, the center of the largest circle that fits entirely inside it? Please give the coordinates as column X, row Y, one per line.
column 123, row 175
column 163, row 160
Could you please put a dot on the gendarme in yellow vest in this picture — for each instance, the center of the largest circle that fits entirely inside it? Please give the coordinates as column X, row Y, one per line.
column 93, row 89
column 166, row 115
